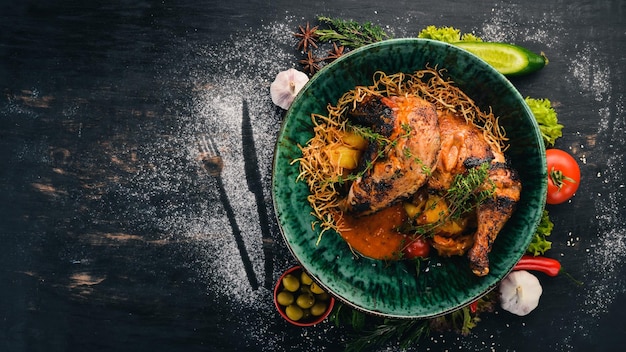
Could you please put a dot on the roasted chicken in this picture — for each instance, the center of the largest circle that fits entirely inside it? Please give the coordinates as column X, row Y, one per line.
column 463, row 146
column 428, row 150
column 493, row 214
column 397, row 165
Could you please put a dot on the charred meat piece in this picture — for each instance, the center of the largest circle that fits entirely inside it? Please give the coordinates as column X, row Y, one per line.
column 463, row 147
column 398, row 167
column 493, row 214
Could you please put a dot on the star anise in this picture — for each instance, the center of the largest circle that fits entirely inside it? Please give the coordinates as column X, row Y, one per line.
column 307, row 37
column 310, row 63
column 335, row 53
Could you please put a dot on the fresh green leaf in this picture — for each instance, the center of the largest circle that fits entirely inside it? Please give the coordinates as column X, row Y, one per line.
column 407, row 332
column 539, row 244
column 350, row 33
column 447, row 34
column 377, row 332
column 546, row 118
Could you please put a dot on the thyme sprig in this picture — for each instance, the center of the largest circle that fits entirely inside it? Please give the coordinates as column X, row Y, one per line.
column 350, row 33
column 467, row 192
column 385, row 145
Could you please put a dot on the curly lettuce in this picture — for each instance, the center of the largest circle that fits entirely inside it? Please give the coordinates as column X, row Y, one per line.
column 447, row 34
column 546, row 118
column 540, row 244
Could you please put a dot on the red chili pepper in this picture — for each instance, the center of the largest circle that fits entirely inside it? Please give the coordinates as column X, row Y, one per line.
column 473, row 307
column 548, row 266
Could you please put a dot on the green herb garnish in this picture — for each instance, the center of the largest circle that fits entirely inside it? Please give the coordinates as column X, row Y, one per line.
column 373, row 332
column 466, row 193
column 351, row 33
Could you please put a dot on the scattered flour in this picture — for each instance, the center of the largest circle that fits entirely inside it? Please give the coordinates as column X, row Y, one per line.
column 507, row 24
column 243, row 68
column 224, row 76
column 606, row 257
column 218, row 108
column 590, row 72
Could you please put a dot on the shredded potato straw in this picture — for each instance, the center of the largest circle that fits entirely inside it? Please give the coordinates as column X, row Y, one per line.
column 325, row 179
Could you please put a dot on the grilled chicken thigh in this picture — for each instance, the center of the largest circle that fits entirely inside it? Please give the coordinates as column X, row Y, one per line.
column 493, row 214
column 425, row 150
column 463, row 147
column 397, row 167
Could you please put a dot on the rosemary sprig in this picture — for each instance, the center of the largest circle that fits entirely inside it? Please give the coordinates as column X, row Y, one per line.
column 372, row 332
column 405, row 332
column 350, row 33
column 375, row 331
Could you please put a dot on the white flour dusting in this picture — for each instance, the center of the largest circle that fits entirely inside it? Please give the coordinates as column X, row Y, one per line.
column 244, row 67
column 590, row 73
column 218, row 112
column 606, row 257
column 505, row 25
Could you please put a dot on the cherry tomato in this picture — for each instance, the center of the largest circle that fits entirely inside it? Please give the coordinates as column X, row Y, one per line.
column 473, row 306
column 563, row 176
column 418, row 247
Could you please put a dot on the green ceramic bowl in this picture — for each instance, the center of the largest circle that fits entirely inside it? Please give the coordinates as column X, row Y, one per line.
column 395, row 289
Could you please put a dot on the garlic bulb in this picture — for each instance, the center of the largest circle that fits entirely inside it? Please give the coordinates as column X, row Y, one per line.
column 286, row 86
column 520, row 292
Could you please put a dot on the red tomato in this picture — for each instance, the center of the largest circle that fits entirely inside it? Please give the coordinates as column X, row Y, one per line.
column 563, row 176
column 418, row 248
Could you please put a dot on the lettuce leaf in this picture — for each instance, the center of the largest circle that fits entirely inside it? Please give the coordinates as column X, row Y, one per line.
column 447, row 34
column 539, row 244
column 546, row 118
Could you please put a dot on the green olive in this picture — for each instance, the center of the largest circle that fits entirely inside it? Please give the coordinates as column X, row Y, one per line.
column 315, row 288
column 306, row 314
column 305, row 279
column 284, row 298
column 294, row 312
column 318, row 309
column 291, row 283
column 305, row 300
column 322, row 296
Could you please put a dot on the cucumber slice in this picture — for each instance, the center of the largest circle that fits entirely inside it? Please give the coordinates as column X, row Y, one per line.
column 508, row 59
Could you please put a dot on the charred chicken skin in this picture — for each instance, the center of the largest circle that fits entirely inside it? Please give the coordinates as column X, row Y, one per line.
column 431, row 148
column 463, row 147
column 409, row 151
column 493, row 214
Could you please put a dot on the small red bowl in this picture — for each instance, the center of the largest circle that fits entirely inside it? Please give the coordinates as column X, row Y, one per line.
column 308, row 321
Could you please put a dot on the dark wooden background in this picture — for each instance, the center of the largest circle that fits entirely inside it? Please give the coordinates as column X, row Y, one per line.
column 113, row 238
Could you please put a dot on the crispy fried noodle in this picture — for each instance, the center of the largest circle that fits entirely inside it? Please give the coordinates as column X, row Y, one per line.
column 326, row 178
column 410, row 139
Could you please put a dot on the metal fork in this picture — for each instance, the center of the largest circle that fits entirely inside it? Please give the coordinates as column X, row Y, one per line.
column 213, row 163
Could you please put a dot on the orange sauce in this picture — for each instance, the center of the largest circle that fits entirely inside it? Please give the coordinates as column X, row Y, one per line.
column 375, row 235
